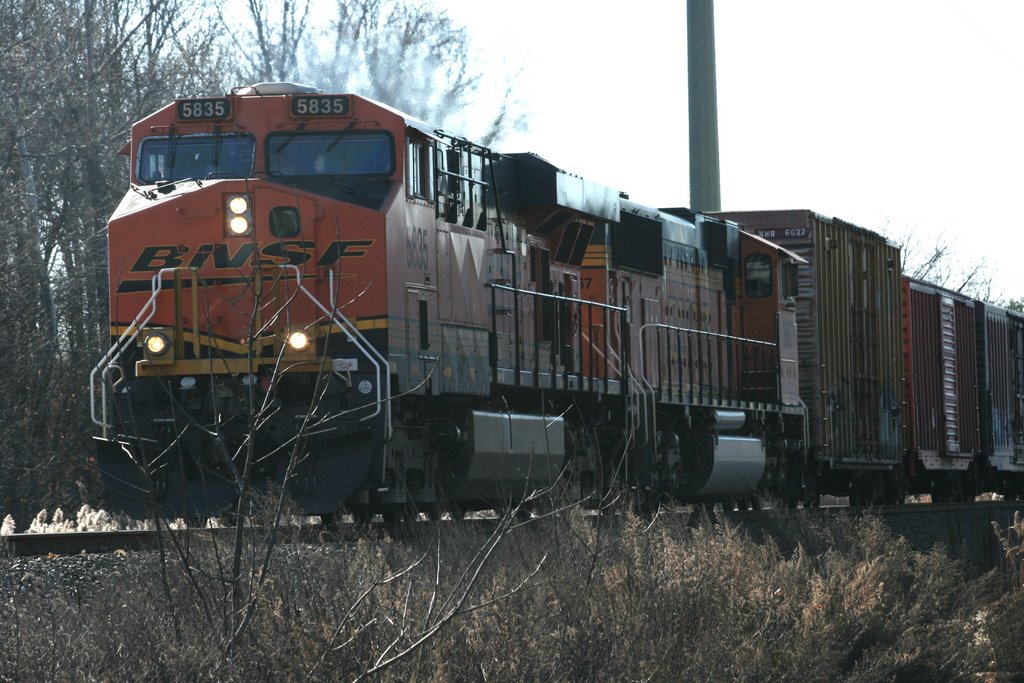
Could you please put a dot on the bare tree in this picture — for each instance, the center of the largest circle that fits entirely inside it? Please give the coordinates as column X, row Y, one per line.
column 1014, row 304
column 938, row 263
column 74, row 73
column 270, row 45
column 405, row 53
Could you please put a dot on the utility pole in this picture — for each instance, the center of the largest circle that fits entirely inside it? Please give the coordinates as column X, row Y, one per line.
column 705, row 184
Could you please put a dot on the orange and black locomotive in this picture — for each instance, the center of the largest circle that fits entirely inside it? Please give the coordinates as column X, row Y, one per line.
column 317, row 291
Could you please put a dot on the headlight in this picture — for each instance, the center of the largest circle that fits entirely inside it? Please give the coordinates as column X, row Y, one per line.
column 298, row 340
column 157, row 343
column 237, row 215
column 238, row 225
column 158, row 346
column 238, row 205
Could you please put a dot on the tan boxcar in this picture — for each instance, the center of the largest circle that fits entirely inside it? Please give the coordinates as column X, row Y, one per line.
column 848, row 320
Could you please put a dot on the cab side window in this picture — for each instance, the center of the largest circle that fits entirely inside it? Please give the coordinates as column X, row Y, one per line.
column 758, row 275
column 420, row 170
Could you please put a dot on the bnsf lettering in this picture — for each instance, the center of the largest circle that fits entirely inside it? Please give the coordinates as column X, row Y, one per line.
column 155, row 258
column 339, row 250
column 222, row 258
column 291, row 253
column 199, row 258
column 295, row 253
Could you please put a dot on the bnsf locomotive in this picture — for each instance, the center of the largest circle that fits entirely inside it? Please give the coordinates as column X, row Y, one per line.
column 318, row 291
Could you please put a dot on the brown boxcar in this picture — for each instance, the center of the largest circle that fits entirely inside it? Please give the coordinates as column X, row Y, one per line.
column 1000, row 335
column 940, row 347
column 848, row 318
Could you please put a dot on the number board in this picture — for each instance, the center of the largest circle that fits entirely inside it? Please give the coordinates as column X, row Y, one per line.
column 204, row 110
column 784, row 233
column 320, row 105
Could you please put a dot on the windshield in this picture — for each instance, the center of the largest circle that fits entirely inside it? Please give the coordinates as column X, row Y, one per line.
column 180, row 157
column 330, row 154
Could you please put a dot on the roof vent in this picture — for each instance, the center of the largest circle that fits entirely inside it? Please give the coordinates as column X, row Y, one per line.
column 276, row 88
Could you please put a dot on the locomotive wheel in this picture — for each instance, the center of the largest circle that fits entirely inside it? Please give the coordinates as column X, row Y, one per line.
column 393, row 513
column 969, row 486
column 943, row 490
column 455, row 511
column 646, row 502
column 856, row 490
column 893, row 489
column 361, row 514
column 432, row 510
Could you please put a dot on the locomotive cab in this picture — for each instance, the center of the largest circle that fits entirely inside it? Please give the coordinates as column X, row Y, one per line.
column 767, row 292
column 247, row 277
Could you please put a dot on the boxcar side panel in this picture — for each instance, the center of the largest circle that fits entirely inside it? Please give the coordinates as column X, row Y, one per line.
column 848, row 314
column 941, row 377
column 1017, row 375
column 967, row 387
column 996, row 386
column 862, row 374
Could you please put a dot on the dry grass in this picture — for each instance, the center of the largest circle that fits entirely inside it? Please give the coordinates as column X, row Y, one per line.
column 675, row 599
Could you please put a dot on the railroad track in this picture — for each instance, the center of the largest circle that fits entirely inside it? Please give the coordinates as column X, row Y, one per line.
column 76, row 542
column 960, row 526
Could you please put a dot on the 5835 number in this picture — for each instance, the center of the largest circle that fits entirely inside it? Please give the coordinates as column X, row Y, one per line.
column 201, row 110
column 320, row 105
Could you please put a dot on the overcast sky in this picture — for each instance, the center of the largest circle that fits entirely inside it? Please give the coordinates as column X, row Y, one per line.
column 895, row 115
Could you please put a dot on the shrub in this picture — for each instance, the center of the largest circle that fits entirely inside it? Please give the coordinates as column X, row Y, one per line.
column 567, row 597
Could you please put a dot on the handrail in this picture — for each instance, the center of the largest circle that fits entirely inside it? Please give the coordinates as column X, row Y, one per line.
column 715, row 335
column 119, row 347
column 642, row 410
column 585, row 354
column 362, row 344
column 557, row 297
column 149, row 309
column 719, row 354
